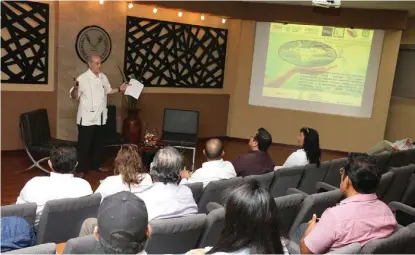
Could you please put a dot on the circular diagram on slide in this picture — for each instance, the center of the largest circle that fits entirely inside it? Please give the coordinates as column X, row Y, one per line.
column 307, row 53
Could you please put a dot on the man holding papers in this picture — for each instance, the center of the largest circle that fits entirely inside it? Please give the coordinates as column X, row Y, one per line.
column 91, row 89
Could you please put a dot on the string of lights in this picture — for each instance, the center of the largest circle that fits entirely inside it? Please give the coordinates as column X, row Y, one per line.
column 180, row 13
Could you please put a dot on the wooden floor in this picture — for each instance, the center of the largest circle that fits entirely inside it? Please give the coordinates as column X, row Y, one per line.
column 12, row 181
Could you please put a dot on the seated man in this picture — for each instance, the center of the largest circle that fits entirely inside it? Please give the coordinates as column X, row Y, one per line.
column 165, row 198
column 122, row 226
column 359, row 218
column 60, row 184
column 257, row 161
column 386, row 146
column 214, row 169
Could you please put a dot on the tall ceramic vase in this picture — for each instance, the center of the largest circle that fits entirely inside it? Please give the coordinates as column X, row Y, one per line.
column 132, row 126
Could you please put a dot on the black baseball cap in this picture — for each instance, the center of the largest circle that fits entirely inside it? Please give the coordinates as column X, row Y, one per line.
column 122, row 220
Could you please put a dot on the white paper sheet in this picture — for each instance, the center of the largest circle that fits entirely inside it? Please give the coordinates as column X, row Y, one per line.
column 134, row 89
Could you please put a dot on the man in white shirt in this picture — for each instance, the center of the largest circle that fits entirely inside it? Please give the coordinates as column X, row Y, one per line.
column 60, row 184
column 165, row 199
column 91, row 89
column 214, row 169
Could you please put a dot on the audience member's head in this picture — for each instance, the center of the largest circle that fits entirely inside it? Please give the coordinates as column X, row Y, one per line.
column 310, row 142
column 63, row 159
column 166, row 165
column 214, row 149
column 360, row 175
column 261, row 140
column 251, row 221
column 129, row 165
column 122, row 224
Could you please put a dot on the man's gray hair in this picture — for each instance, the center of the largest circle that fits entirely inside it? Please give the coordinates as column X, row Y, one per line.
column 166, row 165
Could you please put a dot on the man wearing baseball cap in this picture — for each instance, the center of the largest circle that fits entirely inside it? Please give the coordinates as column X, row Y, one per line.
column 122, row 224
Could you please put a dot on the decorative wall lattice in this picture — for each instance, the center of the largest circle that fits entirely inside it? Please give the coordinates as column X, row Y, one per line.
column 24, row 42
column 167, row 54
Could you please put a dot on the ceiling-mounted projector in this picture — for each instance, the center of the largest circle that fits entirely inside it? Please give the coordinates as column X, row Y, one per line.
column 327, row 3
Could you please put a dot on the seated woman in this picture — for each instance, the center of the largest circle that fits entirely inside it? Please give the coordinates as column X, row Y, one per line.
column 251, row 223
column 129, row 173
column 310, row 152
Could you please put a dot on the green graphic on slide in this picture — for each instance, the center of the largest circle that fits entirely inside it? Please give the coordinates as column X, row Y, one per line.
column 317, row 63
column 307, row 53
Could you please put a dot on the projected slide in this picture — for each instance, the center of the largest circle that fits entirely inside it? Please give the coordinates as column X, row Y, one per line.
column 329, row 66
column 326, row 65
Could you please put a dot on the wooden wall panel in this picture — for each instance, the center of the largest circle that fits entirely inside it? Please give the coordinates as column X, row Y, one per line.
column 213, row 110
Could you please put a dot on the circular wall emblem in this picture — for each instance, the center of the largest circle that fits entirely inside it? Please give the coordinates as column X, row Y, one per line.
column 93, row 40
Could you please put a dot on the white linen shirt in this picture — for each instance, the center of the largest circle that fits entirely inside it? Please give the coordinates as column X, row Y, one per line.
column 92, row 94
column 114, row 184
column 168, row 201
column 212, row 171
column 297, row 158
column 41, row 189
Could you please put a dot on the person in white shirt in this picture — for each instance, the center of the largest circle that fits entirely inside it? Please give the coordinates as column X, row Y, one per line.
column 251, row 224
column 310, row 152
column 214, row 169
column 130, row 175
column 60, row 184
column 91, row 89
column 165, row 198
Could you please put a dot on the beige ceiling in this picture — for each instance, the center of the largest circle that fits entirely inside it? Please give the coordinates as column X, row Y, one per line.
column 391, row 5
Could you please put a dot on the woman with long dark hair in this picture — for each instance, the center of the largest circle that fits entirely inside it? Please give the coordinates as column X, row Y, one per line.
column 251, row 223
column 309, row 153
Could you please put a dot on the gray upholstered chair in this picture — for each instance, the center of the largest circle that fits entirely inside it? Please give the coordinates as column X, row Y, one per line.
column 82, row 245
column 333, row 173
column 312, row 174
column 288, row 207
column 264, row 180
column 215, row 192
column 384, row 183
column 393, row 244
column 409, row 248
column 214, row 225
column 411, row 155
column 47, row 248
column 26, row 211
column 62, row 218
column 396, row 188
column 284, row 179
column 409, row 194
column 175, row 235
column 404, row 214
column 383, row 161
column 313, row 204
column 399, row 158
column 197, row 190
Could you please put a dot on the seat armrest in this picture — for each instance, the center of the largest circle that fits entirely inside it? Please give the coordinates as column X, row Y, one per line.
column 212, row 206
column 291, row 191
column 323, row 187
column 398, row 206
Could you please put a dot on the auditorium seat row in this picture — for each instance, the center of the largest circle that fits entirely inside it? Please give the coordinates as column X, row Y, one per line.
column 179, row 235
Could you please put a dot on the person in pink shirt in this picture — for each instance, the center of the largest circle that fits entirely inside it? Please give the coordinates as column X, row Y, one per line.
column 359, row 218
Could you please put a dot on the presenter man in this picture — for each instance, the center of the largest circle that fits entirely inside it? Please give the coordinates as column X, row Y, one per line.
column 90, row 89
